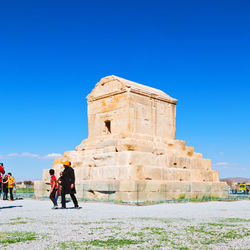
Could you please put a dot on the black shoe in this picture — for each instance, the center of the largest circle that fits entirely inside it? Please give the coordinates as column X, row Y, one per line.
column 62, row 207
column 77, row 207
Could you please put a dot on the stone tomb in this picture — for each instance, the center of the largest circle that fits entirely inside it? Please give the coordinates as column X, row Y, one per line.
column 131, row 153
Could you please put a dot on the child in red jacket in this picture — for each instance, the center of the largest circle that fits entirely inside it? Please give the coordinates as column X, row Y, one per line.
column 53, row 190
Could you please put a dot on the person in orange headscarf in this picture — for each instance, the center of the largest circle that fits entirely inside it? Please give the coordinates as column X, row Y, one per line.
column 68, row 184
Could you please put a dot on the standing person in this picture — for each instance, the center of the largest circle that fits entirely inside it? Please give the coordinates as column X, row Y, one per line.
column 53, row 190
column 11, row 183
column 1, row 177
column 1, row 184
column 2, row 168
column 68, row 184
column 5, row 187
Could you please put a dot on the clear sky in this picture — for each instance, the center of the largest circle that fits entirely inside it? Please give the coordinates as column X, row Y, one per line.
column 52, row 53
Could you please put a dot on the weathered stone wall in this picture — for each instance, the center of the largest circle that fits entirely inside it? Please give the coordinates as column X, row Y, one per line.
column 114, row 109
column 152, row 117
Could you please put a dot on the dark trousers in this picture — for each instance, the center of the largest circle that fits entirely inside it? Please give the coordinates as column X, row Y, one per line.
column 5, row 194
column 53, row 197
column 72, row 197
column 11, row 193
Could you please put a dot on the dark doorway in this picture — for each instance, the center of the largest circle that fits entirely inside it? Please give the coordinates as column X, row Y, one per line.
column 108, row 127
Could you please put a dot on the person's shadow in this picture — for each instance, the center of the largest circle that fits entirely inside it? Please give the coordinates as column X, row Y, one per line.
column 10, row 207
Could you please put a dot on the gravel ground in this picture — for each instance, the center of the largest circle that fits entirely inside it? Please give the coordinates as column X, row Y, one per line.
column 32, row 224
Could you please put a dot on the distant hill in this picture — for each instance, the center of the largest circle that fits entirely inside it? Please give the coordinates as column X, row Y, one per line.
column 236, row 179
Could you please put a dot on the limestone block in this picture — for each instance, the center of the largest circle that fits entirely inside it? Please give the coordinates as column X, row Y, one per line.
column 176, row 174
column 57, row 162
column 147, row 173
column 173, row 195
column 183, row 162
column 85, row 161
column 197, row 155
column 96, row 174
column 178, row 187
column 87, row 195
column 206, row 164
column 181, row 144
column 58, row 169
column 96, row 190
column 215, row 176
column 109, row 149
column 219, row 186
column 199, row 163
column 151, row 196
column 79, row 190
column 175, row 161
column 127, row 186
column 107, row 186
column 82, row 146
column 150, row 186
column 40, row 189
column 46, row 175
column 152, row 173
column 201, row 175
column 159, row 151
column 104, row 173
column 142, row 158
column 82, row 173
column 201, row 187
column 130, row 144
column 123, row 158
column 126, row 196
column 89, row 185
column 70, row 154
column 127, row 172
column 95, row 185
column 199, row 194
column 107, row 143
column 100, row 196
column 105, row 159
column 160, row 161
column 139, row 172
column 189, row 150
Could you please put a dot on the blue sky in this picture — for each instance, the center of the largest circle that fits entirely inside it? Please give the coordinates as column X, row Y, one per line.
column 52, row 53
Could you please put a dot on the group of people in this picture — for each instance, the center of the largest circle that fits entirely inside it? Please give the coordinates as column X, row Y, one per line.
column 7, row 183
column 65, row 184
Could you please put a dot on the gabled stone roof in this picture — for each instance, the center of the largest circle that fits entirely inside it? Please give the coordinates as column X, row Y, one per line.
column 111, row 85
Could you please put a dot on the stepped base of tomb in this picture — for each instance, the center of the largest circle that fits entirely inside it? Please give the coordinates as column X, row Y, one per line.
column 141, row 191
column 132, row 169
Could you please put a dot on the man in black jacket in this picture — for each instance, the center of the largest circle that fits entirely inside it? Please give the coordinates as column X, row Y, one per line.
column 68, row 184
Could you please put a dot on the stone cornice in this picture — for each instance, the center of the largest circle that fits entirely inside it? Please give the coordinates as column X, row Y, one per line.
column 134, row 91
column 123, row 86
column 92, row 98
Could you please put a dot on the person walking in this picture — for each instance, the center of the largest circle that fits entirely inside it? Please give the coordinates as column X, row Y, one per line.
column 53, row 190
column 68, row 184
column 11, row 183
